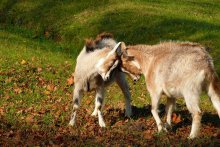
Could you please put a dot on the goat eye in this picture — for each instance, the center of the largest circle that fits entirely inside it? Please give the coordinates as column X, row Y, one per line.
column 124, row 55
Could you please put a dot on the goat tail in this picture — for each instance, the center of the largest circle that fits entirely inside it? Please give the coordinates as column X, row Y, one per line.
column 213, row 89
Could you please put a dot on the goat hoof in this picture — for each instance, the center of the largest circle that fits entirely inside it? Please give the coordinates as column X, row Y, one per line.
column 128, row 114
column 162, row 129
column 72, row 122
column 102, row 124
column 191, row 136
column 168, row 127
column 94, row 113
column 165, row 129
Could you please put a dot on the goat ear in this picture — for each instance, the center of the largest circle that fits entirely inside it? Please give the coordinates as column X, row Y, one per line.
column 90, row 45
column 116, row 49
column 123, row 46
column 119, row 48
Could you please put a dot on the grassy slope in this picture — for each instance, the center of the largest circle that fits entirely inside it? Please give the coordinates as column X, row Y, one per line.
column 39, row 41
column 149, row 22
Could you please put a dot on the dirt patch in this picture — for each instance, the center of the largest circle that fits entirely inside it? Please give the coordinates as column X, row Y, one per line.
column 140, row 130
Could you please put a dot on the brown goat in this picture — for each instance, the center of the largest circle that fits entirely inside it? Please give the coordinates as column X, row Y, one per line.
column 177, row 69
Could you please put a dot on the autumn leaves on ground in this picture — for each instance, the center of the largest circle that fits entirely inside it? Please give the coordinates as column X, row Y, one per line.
column 39, row 43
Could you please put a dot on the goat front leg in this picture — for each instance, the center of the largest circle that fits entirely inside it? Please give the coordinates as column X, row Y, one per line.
column 123, row 84
column 98, row 105
column 155, row 99
column 76, row 102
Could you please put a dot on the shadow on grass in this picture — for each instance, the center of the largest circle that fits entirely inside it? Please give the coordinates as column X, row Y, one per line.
column 4, row 11
column 207, row 119
column 133, row 27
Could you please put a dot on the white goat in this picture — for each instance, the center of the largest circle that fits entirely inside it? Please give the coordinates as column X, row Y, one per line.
column 87, row 77
column 177, row 69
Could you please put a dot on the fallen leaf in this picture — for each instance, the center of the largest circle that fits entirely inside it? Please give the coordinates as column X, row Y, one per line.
column 46, row 34
column 70, row 81
column 30, row 119
column 17, row 90
column 119, row 123
column 50, row 87
column 7, row 97
column 39, row 69
column 33, row 58
column 1, row 111
column 10, row 133
column 23, row 62
column 41, row 80
column 46, row 92
column 176, row 118
column 8, row 80
column 20, row 111
column 30, row 109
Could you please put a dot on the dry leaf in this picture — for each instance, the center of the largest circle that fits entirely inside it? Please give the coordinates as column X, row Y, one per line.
column 148, row 134
column 46, row 34
column 46, row 92
column 70, row 81
column 33, row 58
column 39, row 69
column 8, row 80
column 17, row 90
column 50, row 87
column 1, row 111
column 29, row 119
column 176, row 118
column 23, row 62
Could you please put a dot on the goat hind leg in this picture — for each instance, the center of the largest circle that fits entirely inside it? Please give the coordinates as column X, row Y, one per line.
column 192, row 103
column 76, row 102
column 98, row 105
column 169, row 109
column 99, row 94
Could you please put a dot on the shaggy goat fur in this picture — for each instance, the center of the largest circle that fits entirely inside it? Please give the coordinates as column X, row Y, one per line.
column 87, row 77
column 177, row 69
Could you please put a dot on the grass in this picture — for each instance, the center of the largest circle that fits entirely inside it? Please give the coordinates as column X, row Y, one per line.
column 39, row 43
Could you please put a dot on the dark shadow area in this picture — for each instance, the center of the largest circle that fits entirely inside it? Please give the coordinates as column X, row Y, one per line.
column 141, row 111
column 151, row 28
column 4, row 11
column 45, row 20
column 61, row 11
column 118, row 114
column 204, row 4
column 129, row 25
column 207, row 119
column 146, row 111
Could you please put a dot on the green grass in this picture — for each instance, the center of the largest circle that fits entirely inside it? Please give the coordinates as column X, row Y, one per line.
column 40, row 40
column 69, row 22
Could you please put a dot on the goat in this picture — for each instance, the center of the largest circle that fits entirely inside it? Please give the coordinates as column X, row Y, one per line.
column 87, row 77
column 176, row 69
